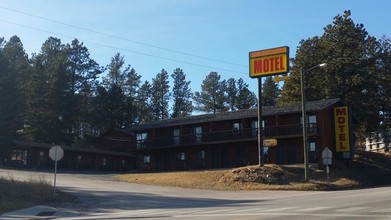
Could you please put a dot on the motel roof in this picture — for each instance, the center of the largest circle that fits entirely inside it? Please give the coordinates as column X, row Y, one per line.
column 311, row 106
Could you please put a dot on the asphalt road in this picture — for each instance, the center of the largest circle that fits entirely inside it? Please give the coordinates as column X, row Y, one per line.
column 100, row 197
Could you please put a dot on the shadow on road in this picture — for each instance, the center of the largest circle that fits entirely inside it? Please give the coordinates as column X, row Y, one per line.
column 104, row 201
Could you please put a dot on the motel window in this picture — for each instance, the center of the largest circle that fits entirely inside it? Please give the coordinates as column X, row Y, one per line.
column 201, row 154
column 147, row 159
column 41, row 155
column 20, row 156
column 181, row 156
column 312, row 146
column 311, row 119
column 236, row 126
column 236, row 129
column 312, row 151
column 254, row 127
column 198, row 134
column 141, row 139
column 312, row 124
column 177, row 138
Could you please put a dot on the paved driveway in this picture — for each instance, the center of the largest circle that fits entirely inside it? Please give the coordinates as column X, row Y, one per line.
column 100, row 197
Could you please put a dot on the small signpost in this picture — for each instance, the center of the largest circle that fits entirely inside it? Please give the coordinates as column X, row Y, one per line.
column 55, row 153
column 327, row 156
column 269, row 62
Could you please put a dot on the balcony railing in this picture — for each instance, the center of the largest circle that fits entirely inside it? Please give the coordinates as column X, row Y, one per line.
column 229, row 135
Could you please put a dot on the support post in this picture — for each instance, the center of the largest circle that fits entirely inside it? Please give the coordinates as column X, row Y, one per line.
column 304, row 116
column 260, row 152
column 55, row 173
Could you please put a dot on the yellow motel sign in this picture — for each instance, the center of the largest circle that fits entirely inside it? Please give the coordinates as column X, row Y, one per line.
column 270, row 142
column 269, row 62
column 342, row 131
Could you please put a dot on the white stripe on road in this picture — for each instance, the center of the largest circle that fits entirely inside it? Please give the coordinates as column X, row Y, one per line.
column 351, row 209
column 313, row 209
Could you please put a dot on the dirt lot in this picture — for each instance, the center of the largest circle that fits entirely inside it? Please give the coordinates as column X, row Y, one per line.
column 366, row 170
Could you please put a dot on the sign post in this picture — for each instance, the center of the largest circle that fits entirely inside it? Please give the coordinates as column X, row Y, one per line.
column 327, row 156
column 55, row 153
column 266, row 63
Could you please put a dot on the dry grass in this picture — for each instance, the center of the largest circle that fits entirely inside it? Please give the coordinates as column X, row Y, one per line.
column 366, row 170
column 20, row 194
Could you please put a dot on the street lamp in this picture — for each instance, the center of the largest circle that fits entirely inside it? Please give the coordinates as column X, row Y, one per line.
column 304, row 116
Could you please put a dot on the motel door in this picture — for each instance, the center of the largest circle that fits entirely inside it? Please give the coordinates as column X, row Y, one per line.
column 286, row 154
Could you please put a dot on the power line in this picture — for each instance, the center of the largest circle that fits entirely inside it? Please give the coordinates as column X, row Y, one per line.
column 122, row 49
column 121, row 38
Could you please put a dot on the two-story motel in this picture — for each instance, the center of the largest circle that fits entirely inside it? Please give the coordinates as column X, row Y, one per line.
column 226, row 139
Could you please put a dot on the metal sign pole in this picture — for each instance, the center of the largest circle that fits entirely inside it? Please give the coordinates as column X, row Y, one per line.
column 260, row 152
column 327, row 172
column 55, row 172
column 327, row 166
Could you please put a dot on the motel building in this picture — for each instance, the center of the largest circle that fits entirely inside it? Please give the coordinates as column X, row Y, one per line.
column 229, row 139
column 209, row 141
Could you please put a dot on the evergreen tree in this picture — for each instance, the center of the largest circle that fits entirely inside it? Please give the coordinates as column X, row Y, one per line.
column 10, row 107
column 120, row 86
column 212, row 97
column 232, row 94
column 143, row 103
column 270, row 92
column 160, row 95
column 181, row 95
column 350, row 54
column 84, row 72
column 132, row 83
column 49, row 90
column 116, row 108
column 245, row 98
column 19, row 67
column 383, row 82
column 117, row 73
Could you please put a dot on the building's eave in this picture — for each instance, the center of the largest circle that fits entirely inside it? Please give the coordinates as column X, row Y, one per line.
column 232, row 115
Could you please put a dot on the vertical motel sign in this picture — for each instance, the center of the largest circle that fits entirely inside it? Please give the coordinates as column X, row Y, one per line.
column 343, row 134
column 266, row 63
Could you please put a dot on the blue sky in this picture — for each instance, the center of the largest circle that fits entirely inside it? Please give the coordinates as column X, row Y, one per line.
column 198, row 36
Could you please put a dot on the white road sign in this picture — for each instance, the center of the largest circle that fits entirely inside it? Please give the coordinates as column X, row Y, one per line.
column 327, row 156
column 56, row 153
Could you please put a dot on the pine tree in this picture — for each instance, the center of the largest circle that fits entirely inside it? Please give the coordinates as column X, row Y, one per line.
column 117, row 73
column 160, row 95
column 143, row 103
column 232, row 94
column 270, row 92
column 49, row 90
column 84, row 72
column 10, row 98
column 245, row 98
column 350, row 54
column 212, row 97
column 383, row 82
column 181, row 95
